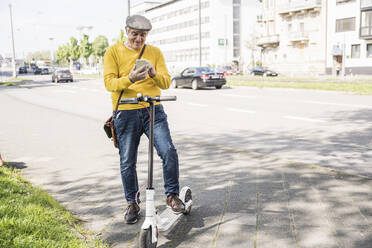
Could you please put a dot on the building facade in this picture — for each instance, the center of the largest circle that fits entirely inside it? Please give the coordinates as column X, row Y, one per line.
column 316, row 37
column 349, row 38
column 197, row 32
column 293, row 35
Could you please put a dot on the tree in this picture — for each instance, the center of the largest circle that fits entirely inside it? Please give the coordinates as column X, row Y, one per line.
column 74, row 49
column 251, row 44
column 121, row 37
column 99, row 46
column 85, row 48
column 38, row 55
column 63, row 54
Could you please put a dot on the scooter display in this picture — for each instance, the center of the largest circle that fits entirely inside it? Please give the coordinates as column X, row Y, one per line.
column 155, row 222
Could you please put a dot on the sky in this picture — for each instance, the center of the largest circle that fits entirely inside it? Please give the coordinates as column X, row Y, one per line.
column 46, row 24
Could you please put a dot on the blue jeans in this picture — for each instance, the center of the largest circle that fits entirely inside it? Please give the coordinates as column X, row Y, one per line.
column 129, row 127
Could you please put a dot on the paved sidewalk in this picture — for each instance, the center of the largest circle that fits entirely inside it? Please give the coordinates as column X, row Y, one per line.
column 244, row 199
column 241, row 198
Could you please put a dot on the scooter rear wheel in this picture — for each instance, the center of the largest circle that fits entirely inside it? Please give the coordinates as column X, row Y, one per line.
column 185, row 196
column 145, row 239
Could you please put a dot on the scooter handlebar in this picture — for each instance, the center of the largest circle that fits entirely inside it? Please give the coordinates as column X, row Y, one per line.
column 166, row 98
column 131, row 100
column 136, row 100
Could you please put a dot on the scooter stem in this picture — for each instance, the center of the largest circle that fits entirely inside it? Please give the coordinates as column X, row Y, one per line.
column 151, row 146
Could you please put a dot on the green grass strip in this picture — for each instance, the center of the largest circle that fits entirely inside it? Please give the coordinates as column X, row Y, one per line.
column 357, row 87
column 29, row 217
column 8, row 84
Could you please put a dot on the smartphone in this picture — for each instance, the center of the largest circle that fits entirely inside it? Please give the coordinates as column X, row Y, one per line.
column 140, row 63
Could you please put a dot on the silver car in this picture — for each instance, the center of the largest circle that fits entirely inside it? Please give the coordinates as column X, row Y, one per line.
column 62, row 75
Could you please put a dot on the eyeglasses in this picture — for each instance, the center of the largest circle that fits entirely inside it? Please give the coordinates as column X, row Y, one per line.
column 134, row 32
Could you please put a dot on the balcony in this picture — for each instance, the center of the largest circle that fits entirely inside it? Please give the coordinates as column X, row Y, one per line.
column 300, row 6
column 301, row 37
column 366, row 32
column 259, row 18
column 268, row 15
column 366, row 4
column 268, row 41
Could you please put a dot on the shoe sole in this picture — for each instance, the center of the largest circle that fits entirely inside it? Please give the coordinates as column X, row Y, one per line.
column 132, row 222
column 175, row 211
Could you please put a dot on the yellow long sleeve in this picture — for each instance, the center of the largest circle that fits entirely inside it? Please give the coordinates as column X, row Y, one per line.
column 118, row 62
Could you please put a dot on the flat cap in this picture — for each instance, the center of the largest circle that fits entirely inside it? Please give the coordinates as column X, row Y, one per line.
column 138, row 22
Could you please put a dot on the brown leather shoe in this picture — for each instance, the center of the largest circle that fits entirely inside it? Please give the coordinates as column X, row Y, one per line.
column 175, row 204
column 132, row 213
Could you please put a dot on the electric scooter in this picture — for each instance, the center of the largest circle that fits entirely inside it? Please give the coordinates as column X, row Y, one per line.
column 155, row 222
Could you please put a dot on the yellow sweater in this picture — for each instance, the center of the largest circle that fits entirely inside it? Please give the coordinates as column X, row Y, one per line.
column 119, row 61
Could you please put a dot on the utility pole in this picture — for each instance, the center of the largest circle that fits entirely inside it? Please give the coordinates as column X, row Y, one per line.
column 128, row 7
column 343, row 58
column 200, row 36
column 11, row 26
column 51, row 52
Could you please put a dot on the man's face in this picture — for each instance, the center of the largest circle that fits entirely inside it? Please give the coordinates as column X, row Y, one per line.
column 136, row 38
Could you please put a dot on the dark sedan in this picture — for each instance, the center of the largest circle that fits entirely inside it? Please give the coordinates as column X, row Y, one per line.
column 22, row 69
column 258, row 70
column 37, row 70
column 62, row 75
column 198, row 77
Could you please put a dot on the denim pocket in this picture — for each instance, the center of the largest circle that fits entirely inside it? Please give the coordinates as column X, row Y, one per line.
column 160, row 115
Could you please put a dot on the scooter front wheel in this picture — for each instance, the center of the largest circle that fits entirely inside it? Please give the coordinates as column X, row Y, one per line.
column 185, row 196
column 145, row 238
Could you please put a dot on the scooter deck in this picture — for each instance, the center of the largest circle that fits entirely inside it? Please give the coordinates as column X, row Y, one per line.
column 168, row 218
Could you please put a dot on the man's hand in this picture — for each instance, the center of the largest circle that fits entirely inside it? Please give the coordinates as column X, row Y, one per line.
column 151, row 69
column 138, row 74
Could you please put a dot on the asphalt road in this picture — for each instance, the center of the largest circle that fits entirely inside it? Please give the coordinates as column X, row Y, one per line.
column 266, row 165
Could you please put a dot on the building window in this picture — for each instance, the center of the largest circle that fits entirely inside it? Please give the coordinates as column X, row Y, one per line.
column 343, row 1
column 355, row 51
column 236, row 12
column 366, row 23
column 236, row 52
column 345, row 25
column 236, row 28
column 369, row 50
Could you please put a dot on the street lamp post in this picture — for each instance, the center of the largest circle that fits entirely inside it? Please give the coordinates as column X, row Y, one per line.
column 200, row 36
column 11, row 25
column 128, row 7
column 51, row 52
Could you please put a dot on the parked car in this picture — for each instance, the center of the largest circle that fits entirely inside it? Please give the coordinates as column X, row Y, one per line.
column 62, row 75
column 259, row 70
column 228, row 70
column 44, row 71
column 198, row 77
column 37, row 70
column 22, row 69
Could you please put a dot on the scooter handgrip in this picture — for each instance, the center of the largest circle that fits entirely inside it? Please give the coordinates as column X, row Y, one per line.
column 132, row 100
column 167, row 98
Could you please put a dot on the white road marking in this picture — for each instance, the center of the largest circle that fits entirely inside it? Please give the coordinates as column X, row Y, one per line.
column 241, row 110
column 339, row 104
column 303, row 119
column 235, row 95
column 197, row 104
column 23, row 159
column 66, row 91
column 33, row 159
column 43, row 159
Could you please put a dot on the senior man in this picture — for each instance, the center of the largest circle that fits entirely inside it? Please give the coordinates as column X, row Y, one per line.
column 121, row 77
